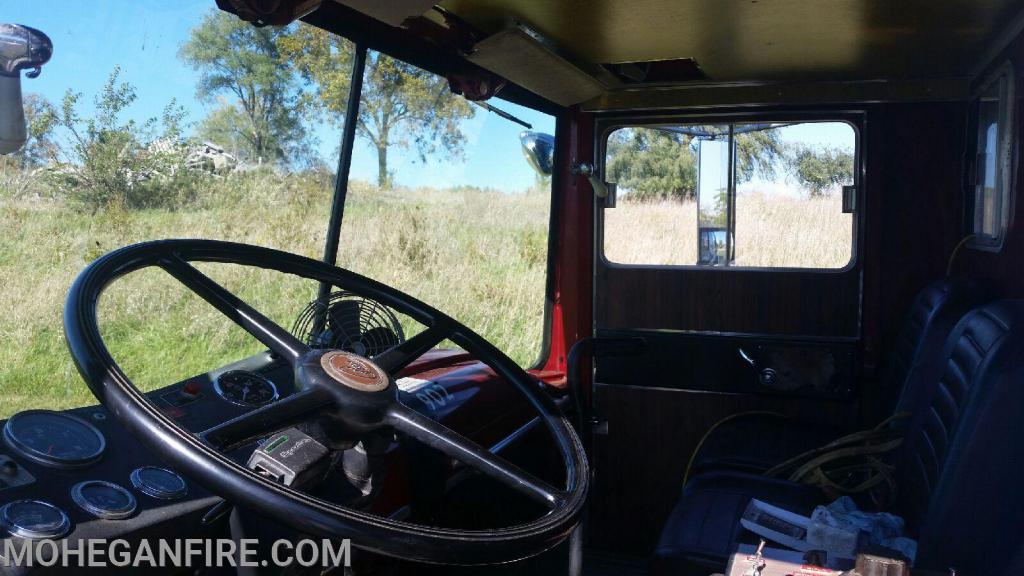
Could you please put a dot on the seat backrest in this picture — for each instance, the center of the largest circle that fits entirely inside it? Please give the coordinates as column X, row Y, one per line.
column 974, row 356
column 977, row 507
column 919, row 346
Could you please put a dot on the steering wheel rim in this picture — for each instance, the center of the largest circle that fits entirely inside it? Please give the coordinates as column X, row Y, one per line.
column 198, row 458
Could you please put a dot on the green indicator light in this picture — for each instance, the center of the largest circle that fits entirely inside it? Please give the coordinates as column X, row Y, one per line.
column 275, row 443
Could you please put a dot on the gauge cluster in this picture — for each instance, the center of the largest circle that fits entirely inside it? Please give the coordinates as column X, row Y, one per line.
column 80, row 474
column 70, row 444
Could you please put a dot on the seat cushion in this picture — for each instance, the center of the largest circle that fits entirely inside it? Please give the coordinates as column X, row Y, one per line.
column 702, row 530
column 756, row 442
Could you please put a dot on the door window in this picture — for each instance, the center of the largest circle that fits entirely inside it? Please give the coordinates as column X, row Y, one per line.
column 767, row 195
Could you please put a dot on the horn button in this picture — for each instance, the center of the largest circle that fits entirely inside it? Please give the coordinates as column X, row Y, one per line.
column 354, row 371
column 361, row 390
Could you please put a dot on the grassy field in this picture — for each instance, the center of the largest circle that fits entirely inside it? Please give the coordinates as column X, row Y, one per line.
column 776, row 231
column 477, row 255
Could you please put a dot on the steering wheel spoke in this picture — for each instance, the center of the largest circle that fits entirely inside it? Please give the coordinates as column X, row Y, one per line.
column 396, row 359
column 457, row 446
column 261, row 422
column 279, row 340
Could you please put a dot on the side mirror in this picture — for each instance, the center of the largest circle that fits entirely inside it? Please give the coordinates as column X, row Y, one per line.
column 21, row 48
column 539, row 149
column 715, row 203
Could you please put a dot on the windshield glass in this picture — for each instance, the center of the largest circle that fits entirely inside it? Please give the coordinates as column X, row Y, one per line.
column 179, row 120
column 450, row 211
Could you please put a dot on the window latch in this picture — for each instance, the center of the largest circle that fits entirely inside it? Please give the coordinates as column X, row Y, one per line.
column 849, row 199
column 601, row 188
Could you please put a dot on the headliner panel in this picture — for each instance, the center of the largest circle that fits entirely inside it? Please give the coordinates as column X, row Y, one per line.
column 764, row 40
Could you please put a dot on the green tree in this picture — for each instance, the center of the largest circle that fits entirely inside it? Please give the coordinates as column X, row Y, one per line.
column 820, row 169
column 112, row 162
column 757, row 153
column 400, row 105
column 223, row 126
column 40, row 121
column 652, row 164
column 263, row 120
column 656, row 164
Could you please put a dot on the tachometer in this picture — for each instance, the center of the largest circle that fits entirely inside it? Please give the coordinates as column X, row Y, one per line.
column 54, row 439
column 245, row 388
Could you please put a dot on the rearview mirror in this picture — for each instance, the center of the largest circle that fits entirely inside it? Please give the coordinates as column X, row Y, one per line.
column 539, row 149
column 21, row 48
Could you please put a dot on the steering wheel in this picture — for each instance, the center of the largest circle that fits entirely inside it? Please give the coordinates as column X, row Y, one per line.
column 354, row 395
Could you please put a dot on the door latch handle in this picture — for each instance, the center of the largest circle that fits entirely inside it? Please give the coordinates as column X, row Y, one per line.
column 766, row 376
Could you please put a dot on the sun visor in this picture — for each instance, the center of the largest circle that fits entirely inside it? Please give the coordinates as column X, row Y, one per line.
column 391, row 12
column 516, row 55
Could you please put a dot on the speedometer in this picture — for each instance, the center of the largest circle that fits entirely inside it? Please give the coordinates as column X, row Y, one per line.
column 245, row 388
column 54, row 439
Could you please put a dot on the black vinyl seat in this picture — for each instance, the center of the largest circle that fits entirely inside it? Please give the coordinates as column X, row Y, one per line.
column 957, row 471
column 756, row 442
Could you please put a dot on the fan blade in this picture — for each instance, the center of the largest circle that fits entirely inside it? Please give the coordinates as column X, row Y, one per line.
column 343, row 322
column 378, row 340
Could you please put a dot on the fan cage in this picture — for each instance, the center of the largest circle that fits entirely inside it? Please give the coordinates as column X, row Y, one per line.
column 347, row 321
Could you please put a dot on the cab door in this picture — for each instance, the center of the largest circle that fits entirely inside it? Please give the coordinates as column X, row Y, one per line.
column 730, row 246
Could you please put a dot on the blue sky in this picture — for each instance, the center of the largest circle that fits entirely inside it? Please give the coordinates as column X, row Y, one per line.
column 90, row 38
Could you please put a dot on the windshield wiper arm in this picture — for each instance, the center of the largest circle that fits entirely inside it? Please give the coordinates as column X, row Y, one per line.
column 503, row 114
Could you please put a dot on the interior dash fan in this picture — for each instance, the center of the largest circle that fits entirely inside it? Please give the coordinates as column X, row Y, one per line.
column 346, row 321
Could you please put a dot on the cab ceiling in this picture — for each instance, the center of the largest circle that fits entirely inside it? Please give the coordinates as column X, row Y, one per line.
column 763, row 40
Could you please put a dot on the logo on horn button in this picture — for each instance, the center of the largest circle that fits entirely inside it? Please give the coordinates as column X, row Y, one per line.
column 354, row 371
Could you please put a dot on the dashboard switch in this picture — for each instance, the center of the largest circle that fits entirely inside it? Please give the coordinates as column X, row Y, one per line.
column 12, row 475
column 187, row 394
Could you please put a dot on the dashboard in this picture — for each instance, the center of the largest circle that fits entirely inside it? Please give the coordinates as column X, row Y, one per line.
column 79, row 474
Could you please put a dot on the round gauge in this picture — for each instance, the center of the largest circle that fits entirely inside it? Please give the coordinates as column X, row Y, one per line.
column 159, row 483
column 54, row 439
column 245, row 388
column 34, row 519
column 103, row 499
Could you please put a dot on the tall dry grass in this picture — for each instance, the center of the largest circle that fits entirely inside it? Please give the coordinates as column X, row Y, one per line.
column 771, row 231
column 479, row 256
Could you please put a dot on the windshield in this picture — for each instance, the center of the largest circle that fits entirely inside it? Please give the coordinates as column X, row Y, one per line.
column 181, row 121
column 462, row 225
